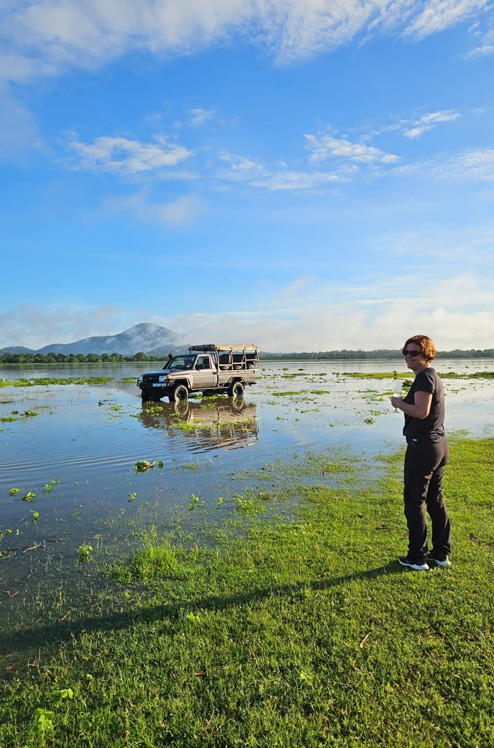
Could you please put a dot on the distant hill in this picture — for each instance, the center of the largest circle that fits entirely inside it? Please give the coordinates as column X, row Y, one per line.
column 145, row 337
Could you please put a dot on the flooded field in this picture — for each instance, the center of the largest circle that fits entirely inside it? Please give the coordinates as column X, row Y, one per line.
column 70, row 490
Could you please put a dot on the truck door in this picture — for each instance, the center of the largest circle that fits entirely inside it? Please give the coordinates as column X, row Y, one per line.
column 204, row 375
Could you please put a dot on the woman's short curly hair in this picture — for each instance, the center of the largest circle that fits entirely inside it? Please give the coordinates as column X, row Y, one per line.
column 427, row 347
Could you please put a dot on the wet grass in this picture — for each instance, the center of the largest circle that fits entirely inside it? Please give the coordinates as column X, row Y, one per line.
column 300, row 632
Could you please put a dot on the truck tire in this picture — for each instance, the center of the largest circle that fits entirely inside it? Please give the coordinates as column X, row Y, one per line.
column 146, row 395
column 236, row 389
column 180, row 392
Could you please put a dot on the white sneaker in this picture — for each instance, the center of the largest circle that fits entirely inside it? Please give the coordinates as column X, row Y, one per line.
column 411, row 565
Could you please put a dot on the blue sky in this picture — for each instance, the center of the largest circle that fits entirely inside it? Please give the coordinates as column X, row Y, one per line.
column 302, row 175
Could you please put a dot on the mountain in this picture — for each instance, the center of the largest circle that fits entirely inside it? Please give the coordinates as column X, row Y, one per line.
column 145, row 337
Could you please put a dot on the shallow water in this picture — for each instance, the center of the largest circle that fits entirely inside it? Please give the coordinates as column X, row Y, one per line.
column 88, row 438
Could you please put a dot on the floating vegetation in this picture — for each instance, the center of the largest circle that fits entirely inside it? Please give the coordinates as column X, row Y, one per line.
column 48, row 487
column 84, row 554
column 45, row 381
column 288, row 393
column 406, row 376
column 194, row 501
column 142, row 466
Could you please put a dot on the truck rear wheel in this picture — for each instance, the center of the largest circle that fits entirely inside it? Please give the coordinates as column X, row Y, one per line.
column 236, row 389
column 180, row 392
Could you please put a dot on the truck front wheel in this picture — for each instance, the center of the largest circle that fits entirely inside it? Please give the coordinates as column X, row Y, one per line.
column 236, row 389
column 180, row 392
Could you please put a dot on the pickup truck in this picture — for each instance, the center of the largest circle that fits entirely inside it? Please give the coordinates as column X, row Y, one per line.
column 211, row 369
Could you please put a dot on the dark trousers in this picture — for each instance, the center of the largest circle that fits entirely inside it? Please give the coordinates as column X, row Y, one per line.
column 423, row 477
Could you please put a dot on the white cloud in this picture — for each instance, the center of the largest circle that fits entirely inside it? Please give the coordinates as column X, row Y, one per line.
column 34, row 327
column 255, row 174
column 441, row 14
column 324, row 146
column 486, row 46
column 119, row 155
column 184, row 209
column 18, row 130
column 306, row 315
column 456, row 312
column 44, row 37
column 428, row 121
column 302, row 180
column 199, row 117
column 240, row 169
column 475, row 165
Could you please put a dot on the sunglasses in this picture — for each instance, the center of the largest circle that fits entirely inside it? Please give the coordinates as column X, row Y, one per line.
column 413, row 354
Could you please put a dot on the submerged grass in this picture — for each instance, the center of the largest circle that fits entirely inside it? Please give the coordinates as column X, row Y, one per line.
column 45, row 381
column 405, row 375
column 301, row 633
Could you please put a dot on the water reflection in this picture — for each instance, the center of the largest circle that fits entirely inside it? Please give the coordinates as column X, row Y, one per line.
column 214, row 423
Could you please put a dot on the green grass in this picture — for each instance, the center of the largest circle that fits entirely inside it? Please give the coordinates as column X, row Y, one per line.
column 282, row 633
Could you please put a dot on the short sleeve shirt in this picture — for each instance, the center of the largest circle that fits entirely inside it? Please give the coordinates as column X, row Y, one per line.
column 432, row 427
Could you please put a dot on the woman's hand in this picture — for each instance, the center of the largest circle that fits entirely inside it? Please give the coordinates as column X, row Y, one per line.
column 396, row 401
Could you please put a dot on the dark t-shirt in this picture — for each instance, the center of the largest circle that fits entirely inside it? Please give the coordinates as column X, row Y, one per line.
column 432, row 427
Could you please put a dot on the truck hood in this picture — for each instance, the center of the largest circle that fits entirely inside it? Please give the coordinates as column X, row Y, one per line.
column 165, row 372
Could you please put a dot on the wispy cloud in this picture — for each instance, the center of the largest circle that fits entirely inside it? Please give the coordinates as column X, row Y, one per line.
column 441, row 14
column 324, row 146
column 120, row 155
column 199, row 117
column 18, row 130
column 180, row 211
column 45, row 37
column 428, row 121
column 486, row 44
column 476, row 165
column 240, row 169
column 303, row 180
column 255, row 174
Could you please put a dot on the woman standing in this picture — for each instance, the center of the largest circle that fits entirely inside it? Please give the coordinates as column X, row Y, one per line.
column 425, row 459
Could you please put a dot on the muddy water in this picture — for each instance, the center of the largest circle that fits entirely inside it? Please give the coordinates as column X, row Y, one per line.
column 76, row 452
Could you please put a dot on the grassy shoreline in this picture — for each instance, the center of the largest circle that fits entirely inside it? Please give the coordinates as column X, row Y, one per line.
column 299, row 633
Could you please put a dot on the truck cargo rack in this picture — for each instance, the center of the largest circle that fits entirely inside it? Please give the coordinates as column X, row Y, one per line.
column 231, row 357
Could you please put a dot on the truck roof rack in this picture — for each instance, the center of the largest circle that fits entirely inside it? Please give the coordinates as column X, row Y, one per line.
column 223, row 347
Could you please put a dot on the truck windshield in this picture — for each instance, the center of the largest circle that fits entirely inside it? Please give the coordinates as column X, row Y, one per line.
column 181, row 362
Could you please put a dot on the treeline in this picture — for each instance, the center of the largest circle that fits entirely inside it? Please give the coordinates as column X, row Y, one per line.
column 381, row 353
column 97, row 358
column 74, row 358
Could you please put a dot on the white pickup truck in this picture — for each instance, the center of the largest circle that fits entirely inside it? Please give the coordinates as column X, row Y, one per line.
column 211, row 369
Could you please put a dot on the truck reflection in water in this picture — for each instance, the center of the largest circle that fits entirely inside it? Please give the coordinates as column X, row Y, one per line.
column 213, row 423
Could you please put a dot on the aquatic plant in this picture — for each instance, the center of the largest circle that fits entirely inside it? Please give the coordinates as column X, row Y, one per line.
column 84, row 554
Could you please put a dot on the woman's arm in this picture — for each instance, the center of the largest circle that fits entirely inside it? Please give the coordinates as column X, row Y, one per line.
column 420, row 408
